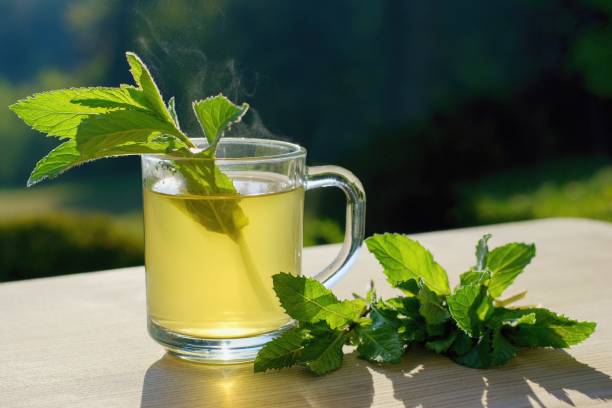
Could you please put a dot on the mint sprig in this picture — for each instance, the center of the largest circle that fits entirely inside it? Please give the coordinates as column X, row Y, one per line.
column 97, row 123
column 106, row 122
column 469, row 324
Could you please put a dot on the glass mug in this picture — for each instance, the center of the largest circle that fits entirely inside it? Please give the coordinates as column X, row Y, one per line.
column 213, row 240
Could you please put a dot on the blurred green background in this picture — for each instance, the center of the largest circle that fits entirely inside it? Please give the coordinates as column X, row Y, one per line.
column 451, row 113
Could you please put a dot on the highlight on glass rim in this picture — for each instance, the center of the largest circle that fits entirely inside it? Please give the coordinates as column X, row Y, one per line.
column 220, row 255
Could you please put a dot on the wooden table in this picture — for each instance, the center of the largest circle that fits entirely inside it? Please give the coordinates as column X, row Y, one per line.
column 81, row 341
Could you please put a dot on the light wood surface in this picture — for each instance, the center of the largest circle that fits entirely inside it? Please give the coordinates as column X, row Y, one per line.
column 81, row 341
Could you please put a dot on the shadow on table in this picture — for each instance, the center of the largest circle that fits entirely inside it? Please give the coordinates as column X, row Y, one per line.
column 171, row 382
column 555, row 371
column 422, row 379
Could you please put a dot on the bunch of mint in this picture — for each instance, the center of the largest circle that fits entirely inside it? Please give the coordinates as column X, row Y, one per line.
column 470, row 324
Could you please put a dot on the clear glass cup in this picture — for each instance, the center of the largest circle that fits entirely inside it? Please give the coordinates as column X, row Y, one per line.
column 216, row 232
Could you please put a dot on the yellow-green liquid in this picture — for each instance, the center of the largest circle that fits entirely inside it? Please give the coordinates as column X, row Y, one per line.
column 215, row 285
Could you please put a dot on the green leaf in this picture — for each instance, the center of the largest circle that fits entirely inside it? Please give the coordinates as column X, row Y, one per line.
column 473, row 277
column 440, row 346
column 405, row 306
column 116, row 133
column 549, row 330
column 485, row 309
column 404, row 313
column 59, row 113
column 410, row 288
column 431, row 307
column 323, row 353
column 172, row 110
column 307, row 300
column 55, row 163
column 511, row 317
column 404, row 259
column 221, row 216
column 104, row 132
column 479, row 356
column 379, row 342
column 380, row 315
column 151, row 94
column 506, row 263
column 345, row 312
column 67, row 155
column 491, row 350
column 482, row 252
column 216, row 114
column 203, row 177
column 502, row 350
column 463, row 304
column 281, row 352
column 462, row 344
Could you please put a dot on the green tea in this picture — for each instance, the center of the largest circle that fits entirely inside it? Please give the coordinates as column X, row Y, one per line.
column 212, row 282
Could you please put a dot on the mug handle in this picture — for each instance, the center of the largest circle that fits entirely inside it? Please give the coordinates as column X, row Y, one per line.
column 334, row 176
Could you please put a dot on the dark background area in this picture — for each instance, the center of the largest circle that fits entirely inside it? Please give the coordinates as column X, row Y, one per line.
column 451, row 113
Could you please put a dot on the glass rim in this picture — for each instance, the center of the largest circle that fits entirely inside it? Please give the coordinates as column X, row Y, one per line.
column 294, row 150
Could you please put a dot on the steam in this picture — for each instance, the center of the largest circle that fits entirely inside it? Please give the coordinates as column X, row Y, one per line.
column 186, row 71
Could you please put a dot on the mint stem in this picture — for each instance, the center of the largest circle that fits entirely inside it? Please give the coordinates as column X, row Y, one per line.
column 252, row 274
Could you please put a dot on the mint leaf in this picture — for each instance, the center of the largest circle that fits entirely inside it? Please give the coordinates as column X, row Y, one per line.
column 485, row 309
column 478, row 356
column 511, row 317
column 502, row 350
column 224, row 216
column 404, row 259
column 203, row 177
column 462, row 345
column 380, row 341
column 67, row 155
column 216, row 114
column 404, row 311
column 323, row 353
column 103, row 132
column 281, row 352
column 116, row 133
column 172, row 110
column 462, row 305
column 473, row 277
column 440, row 346
column 59, row 113
column 549, row 330
column 345, row 312
column 151, row 94
column 491, row 350
column 506, row 263
column 307, row 300
column 431, row 307
column 55, row 163
column 482, row 252
column 404, row 306
column 380, row 314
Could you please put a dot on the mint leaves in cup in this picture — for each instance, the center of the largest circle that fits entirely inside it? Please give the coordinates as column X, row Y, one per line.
column 102, row 122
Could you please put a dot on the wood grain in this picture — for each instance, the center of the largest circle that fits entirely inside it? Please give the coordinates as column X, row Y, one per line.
column 80, row 340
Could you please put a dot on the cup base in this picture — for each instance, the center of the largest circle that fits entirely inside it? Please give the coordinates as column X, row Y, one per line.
column 212, row 351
